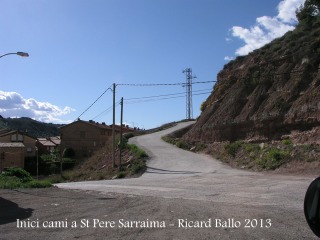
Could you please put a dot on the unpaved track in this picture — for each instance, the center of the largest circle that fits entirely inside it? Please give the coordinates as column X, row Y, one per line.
column 177, row 185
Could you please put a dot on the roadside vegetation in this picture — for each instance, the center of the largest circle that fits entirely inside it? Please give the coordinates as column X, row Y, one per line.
column 99, row 166
column 19, row 178
column 265, row 156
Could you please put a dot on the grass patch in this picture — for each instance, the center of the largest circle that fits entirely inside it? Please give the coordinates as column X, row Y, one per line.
column 138, row 152
column 253, row 156
column 273, row 159
column 287, row 142
column 121, row 175
column 14, row 178
column 138, row 165
column 19, row 173
column 180, row 143
column 232, row 148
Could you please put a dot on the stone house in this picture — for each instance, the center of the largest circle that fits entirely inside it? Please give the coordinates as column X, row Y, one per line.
column 20, row 137
column 11, row 155
column 84, row 137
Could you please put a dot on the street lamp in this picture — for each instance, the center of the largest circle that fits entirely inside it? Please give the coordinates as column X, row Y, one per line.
column 36, row 148
column 21, row 54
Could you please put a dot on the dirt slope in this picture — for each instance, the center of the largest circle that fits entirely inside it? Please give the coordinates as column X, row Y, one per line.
column 271, row 92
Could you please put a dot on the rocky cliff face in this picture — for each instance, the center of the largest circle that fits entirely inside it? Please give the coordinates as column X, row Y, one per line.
column 271, row 92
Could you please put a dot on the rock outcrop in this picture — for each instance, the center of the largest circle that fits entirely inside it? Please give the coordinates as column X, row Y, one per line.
column 267, row 94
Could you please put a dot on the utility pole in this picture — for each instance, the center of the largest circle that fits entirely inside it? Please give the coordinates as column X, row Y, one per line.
column 113, row 127
column 121, row 142
column 188, row 85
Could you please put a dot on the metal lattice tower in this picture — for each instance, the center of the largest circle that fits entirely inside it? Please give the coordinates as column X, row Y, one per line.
column 188, row 85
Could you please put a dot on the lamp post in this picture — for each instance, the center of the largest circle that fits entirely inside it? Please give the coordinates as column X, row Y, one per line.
column 21, row 54
column 36, row 148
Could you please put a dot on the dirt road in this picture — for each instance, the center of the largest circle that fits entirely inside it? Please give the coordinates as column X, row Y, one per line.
column 181, row 196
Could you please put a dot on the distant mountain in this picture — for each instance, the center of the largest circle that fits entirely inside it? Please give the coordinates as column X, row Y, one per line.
column 33, row 127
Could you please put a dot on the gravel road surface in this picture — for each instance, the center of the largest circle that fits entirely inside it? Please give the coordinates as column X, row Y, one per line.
column 182, row 195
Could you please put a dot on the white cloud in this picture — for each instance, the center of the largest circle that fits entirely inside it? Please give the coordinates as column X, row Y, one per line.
column 12, row 104
column 267, row 28
column 228, row 58
column 287, row 9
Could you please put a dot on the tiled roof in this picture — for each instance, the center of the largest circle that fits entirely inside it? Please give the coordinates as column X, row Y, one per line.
column 47, row 143
column 92, row 123
column 13, row 145
column 16, row 132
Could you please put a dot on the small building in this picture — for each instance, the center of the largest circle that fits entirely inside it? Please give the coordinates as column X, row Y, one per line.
column 12, row 155
column 20, row 137
column 86, row 136
column 47, row 145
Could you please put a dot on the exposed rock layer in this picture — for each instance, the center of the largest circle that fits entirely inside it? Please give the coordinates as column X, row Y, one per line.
column 271, row 92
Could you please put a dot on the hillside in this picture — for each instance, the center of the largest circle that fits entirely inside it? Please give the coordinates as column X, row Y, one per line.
column 33, row 127
column 269, row 94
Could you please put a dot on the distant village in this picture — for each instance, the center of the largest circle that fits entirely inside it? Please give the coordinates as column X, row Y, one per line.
column 83, row 137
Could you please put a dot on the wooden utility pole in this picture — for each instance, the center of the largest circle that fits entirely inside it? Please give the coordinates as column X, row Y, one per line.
column 113, row 127
column 121, row 142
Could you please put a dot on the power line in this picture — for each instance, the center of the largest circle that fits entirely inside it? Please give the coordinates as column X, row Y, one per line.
column 159, row 99
column 151, row 99
column 105, row 111
column 158, row 84
column 109, row 88
column 165, row 95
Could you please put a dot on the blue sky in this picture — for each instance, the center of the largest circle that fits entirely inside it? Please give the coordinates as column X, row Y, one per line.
column 79, row 48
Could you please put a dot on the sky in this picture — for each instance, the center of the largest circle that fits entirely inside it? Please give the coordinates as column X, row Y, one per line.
column 79, row 48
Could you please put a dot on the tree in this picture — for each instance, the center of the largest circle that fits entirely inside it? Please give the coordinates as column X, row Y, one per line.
column 310, row 10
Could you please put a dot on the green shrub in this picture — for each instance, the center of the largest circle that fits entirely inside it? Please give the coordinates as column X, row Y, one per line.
column 273, row 159
column 19, row 178
column 232, row 148
column 121, row 175
column 203, row 106
column 139, row 153
column 128, row 135
column 12, row 182
column 250, row 147
column 9, row 182
column 138, row 167
column 181, row 144
column 287, row 142
column 37, row 184
column 20, row 173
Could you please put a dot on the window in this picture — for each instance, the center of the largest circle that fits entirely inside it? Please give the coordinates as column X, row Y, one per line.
column 16, row 138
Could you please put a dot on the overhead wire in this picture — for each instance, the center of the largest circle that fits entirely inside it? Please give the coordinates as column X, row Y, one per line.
column 150, row 97
column 167, row 84
column 164, row 95
column 106, row 110
column 158, row 84
column 109, row 88
column 159, row 99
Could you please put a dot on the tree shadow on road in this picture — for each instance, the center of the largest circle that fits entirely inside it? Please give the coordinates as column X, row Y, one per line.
column 164, row 171
column 59, row 195
column 10, row 212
